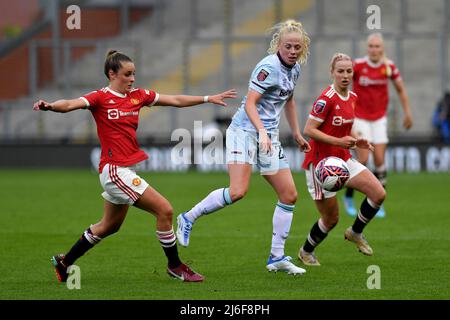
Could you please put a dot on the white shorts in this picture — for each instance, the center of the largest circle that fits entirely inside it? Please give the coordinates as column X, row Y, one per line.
column 121, row 184
column 243, row 147
column 374, row 131
column 316, row 192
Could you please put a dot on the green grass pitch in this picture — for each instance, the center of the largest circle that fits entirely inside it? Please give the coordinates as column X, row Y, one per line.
column 44, row 212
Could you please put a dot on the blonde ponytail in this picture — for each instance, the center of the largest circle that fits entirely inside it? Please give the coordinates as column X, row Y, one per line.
column 388, row 67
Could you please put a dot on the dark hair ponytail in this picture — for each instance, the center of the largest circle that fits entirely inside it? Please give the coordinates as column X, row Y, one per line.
column 113, row 61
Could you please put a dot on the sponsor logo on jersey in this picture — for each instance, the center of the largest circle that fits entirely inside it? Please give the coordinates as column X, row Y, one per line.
column 262, row 75
column 128, row 113
column 113, row 114
column 319, row 106
column 284, row 93
column 337, row 107
column 366, row 81
column 339, row 121
column 136, row 182
column 111, row 101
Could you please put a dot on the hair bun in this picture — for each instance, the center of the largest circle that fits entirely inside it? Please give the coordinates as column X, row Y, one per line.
column 110, row 53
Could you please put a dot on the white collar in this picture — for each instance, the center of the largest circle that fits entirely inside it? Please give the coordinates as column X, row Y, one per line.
column 373, row 64
column 120, row 95
column 342, row 97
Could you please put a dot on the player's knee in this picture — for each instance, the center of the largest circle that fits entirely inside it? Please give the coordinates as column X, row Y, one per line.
column 379, row 197
column 289, row 197
column 382, row 195
column 166, row 212
column 237, row 193
column 331, row 221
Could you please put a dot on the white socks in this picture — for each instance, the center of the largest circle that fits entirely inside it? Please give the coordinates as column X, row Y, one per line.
column 282, row 219
column 214, row 201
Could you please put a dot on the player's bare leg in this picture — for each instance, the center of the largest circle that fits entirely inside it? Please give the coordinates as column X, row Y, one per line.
column 283, row 184
column 240, row 174
column 113, row 217
column 380, row 170
column 368, row 184
column 329, row 217
column 349, row 205
column 153, row 202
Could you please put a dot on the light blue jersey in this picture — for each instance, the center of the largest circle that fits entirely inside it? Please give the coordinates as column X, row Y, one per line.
column 276, row 82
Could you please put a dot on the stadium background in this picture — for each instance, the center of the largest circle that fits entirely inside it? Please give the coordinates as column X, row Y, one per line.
column 201, row 47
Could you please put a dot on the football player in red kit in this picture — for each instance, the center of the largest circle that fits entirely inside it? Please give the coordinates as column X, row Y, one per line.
column 330, row 128
column 370, row 82
column 115, row 109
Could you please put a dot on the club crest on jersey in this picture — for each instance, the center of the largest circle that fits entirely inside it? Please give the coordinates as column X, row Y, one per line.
column 262, row 75
column 136, row 181
column 135, row 101
column 319, row 106
column 113, row 114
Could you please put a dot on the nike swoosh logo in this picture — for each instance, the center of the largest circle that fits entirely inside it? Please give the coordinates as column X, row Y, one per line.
column 177, row 276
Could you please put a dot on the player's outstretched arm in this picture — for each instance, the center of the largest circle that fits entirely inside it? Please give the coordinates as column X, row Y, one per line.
column 62, row 106
column 290, row 110
column 182, row 101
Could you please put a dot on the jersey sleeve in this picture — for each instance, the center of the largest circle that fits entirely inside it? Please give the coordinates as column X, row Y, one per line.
column 91, row 99
column 263, row 78
column 320, row 109
column 395, row 72
column 149, row 97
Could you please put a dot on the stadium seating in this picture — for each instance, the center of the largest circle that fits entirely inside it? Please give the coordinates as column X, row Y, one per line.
column 159, row 62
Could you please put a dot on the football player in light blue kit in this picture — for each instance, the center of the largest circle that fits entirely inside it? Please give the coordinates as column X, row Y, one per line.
column 252, row 138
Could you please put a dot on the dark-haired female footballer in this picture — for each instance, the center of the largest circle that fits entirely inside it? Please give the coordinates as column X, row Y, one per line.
column 115, row 109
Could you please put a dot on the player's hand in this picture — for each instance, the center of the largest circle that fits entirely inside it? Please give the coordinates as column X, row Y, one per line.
column 348, row 142
column 407, row 121
column 219, row 98
column 364, row 144
column 265, row 144
column 302, row 143
column 42, row 105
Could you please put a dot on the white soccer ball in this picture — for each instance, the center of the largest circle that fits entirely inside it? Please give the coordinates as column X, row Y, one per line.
column 332, row 173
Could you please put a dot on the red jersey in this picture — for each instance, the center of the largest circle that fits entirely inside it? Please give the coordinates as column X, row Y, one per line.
column 336, row 114
column 117, row 117
column 370, row 83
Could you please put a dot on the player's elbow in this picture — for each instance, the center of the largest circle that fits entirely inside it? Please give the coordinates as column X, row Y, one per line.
column 307, row 132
